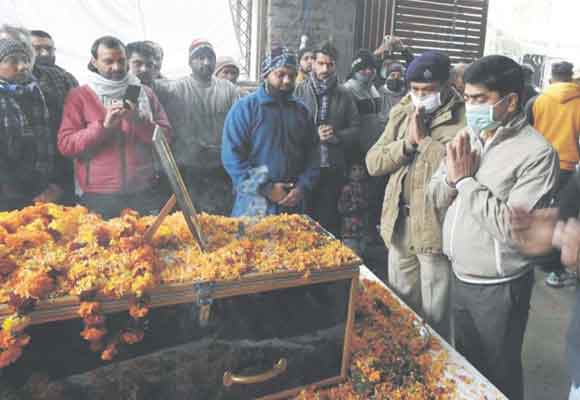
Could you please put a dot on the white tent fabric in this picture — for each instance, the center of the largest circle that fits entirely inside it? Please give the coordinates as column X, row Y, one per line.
column 75, row 24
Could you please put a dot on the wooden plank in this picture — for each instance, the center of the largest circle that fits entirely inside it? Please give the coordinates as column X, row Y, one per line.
column 452, row 46
column 450, row 31
column 428, row 12
column 484, row 31
column 451, row 7
column 346, row 353
column 67, row 308
column 472, row 3
column 474, row 41
column 437, row 22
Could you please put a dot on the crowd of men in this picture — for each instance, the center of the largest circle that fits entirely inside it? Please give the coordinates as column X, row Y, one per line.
column 457, row 164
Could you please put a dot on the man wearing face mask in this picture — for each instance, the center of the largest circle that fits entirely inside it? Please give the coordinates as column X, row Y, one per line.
column 110, row 139
column 367, row 97
column 393, row 90
column 337, row 121
column 197, row 106
column 410, row 150
column 498, row 163
column 270, row 144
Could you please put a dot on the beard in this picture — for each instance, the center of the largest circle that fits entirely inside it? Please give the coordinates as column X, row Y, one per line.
column 279, row 92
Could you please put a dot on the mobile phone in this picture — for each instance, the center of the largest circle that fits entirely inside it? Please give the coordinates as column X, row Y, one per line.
column 132, row 94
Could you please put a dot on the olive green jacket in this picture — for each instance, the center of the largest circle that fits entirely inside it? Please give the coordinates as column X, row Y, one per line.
column 392, row 155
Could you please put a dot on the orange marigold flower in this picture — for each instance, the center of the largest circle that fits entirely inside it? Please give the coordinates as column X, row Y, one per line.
column 93, row 334
column 132, row 336
column 138, row 312
column 110, row 352
column 10, row 355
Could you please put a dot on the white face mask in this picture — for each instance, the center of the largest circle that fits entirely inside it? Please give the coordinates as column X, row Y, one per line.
column 430, row 102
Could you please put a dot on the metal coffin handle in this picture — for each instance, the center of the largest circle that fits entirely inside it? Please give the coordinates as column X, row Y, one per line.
column 278, row 369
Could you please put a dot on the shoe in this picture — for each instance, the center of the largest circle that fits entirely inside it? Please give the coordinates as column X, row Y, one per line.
column 559, row 279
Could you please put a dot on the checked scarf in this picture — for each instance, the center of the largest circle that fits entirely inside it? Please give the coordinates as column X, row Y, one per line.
column 25, row 126
column 322, row 89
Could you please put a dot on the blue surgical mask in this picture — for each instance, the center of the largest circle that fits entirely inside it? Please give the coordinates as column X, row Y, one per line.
column 480, row 116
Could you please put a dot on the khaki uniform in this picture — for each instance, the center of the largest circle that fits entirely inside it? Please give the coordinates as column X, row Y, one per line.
column 410, row 225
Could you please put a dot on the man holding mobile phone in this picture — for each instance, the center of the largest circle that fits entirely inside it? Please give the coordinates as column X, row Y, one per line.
column 107, row 128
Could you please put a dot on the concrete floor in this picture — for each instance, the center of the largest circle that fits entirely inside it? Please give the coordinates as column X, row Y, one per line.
column 545, row 373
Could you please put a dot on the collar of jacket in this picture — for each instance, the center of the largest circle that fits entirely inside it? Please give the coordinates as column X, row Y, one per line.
column 265, row 98
column 444, row 114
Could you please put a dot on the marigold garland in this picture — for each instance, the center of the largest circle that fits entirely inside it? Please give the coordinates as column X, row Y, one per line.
column 51, row 251
column 389, row 360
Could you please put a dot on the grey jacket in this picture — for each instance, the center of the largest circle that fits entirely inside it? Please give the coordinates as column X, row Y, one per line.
column 343, row 117
column 518, row 168
column 197, row 114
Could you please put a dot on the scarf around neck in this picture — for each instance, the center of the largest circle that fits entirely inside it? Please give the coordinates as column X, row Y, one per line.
column 104, row 87
column 322, row 88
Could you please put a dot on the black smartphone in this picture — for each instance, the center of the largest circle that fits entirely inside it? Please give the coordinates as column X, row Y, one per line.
column 132, row 94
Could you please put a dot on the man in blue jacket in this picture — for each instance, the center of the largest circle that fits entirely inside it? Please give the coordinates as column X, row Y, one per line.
column 270, row 144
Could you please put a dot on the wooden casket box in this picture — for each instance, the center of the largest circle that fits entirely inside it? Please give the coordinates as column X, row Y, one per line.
column 264, row 336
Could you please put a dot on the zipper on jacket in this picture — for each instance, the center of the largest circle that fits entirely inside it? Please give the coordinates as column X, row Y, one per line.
column 453, row 226
column 123, row 162
column 88, row 172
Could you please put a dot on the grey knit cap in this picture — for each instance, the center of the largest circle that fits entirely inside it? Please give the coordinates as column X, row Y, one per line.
column 10, row 46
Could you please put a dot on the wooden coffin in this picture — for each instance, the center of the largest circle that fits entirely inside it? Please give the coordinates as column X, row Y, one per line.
column 265, row 336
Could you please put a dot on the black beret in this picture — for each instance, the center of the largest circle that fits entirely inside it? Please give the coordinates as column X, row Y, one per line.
column 430, row 66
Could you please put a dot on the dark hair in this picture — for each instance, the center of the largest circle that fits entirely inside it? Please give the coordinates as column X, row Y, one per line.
column 142, row 48
column 498, row 74
column 157, row 47
column 303, row 51
column 562, row 71
column 41, row 34
column 109, row 42
column 328, row 49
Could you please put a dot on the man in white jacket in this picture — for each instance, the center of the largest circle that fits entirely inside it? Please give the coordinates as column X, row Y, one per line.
column 499, row 162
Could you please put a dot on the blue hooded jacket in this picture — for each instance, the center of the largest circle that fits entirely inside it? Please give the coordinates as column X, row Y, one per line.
column 268, row 140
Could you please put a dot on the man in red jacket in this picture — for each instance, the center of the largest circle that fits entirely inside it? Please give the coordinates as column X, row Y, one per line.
column 111, row 140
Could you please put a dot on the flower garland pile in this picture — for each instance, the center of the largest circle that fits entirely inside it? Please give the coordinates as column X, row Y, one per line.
column 389, row 356
column 50, row 251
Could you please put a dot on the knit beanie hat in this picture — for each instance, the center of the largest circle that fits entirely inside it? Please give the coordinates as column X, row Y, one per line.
column 198, row 45
column 10, row 46
column 278, row 57
column 364, row 59
column 223, row 62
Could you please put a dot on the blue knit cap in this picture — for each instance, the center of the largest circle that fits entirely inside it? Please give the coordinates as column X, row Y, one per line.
column 278, row 57
column 430, row 66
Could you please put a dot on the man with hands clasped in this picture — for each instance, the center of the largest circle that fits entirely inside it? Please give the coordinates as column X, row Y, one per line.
column 410, row 150
column 497, row 163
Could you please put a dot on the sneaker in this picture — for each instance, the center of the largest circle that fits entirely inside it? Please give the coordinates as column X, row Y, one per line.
column 559, row 279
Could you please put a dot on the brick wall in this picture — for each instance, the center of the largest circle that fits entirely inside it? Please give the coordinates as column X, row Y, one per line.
column 288, row 19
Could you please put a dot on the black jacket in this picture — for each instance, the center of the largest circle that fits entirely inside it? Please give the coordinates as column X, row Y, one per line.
column 343, row 117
